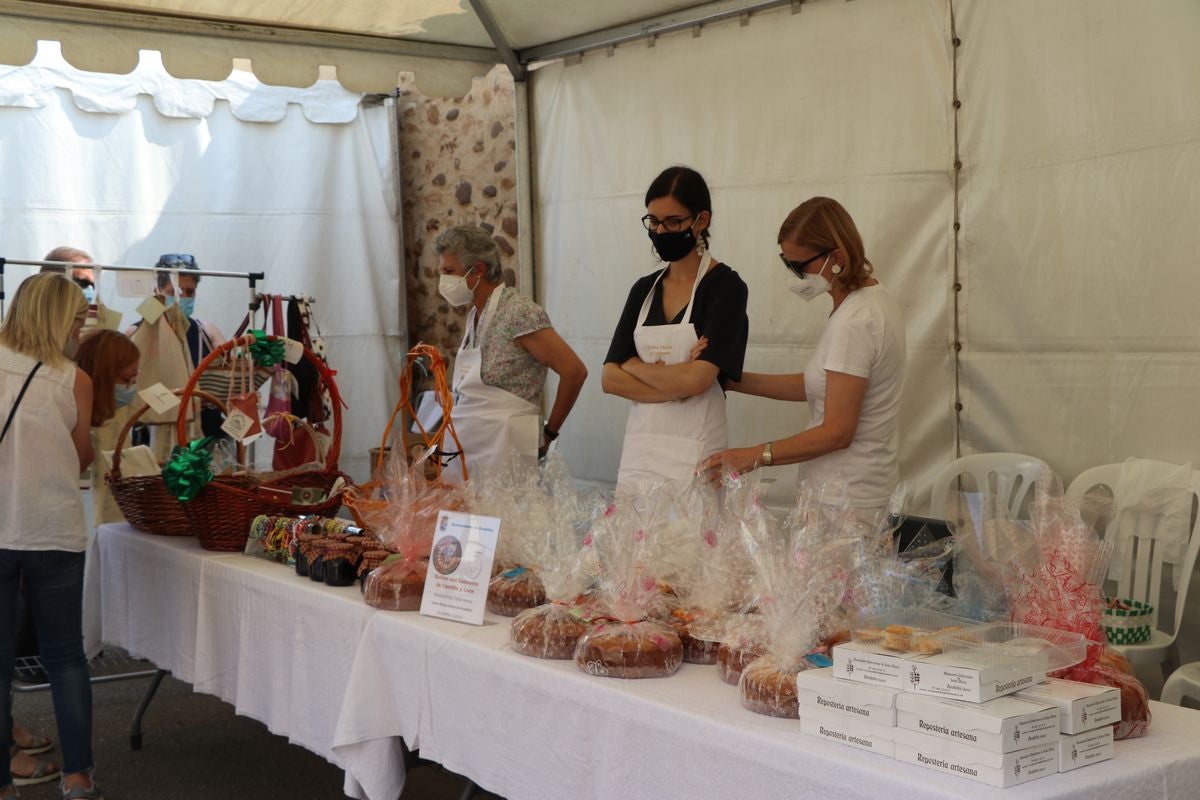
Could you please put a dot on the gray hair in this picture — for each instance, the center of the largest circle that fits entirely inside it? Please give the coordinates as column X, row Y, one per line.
column 471, row 244
column 65, row 253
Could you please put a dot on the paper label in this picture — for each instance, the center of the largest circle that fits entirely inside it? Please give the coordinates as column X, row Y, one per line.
column 108, row 318
column 293, row 351
column 151, row 310
column 460, row 567
column 159, row 398
column 237, row 424
column 135, row 284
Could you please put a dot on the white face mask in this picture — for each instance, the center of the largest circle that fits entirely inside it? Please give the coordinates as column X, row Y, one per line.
column 454, row 289
column 814, row 285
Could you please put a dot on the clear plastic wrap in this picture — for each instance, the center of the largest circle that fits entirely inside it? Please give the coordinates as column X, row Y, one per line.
column 626, row 643
column 803, row 568
column 552, row 548
column 403, row 518
column 1054, row 579
column 1063, row 588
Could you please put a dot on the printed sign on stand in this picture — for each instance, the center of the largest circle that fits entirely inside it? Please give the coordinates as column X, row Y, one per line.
column 135, row 284
column 460, row 567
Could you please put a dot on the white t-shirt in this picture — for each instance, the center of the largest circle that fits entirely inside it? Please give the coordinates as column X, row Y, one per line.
column 40, row 504
column 864, row 338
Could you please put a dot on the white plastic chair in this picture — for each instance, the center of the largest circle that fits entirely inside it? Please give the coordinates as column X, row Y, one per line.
column 1184, row 682
column 1011, row 476
column 1143, row 562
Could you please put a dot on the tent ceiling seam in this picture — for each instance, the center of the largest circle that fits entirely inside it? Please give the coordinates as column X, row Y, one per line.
column 651, row 27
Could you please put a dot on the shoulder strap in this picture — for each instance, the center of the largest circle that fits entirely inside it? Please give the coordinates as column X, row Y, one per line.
column 20, row 397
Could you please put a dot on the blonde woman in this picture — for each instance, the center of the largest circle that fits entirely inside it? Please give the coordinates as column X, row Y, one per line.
column 45, row 442
column 853, row 380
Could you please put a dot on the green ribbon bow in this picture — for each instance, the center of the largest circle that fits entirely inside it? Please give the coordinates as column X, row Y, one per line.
column 266, row 353
column 187, row 471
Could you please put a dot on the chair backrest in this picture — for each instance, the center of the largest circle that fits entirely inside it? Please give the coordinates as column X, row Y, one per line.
column 1144, row 556
column 1010, row 476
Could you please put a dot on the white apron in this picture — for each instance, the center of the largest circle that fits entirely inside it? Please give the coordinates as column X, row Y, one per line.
column 666, row 441
column 492, row 423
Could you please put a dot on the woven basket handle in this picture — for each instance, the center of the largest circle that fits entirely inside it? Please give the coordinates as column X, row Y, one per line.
column 335, row 447
column 124, row 434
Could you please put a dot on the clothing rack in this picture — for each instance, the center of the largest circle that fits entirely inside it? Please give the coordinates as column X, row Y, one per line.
column 252, row 277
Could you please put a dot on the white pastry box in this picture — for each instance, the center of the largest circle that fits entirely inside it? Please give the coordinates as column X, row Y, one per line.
column 995, row 769
column 969, row 675
column 848, row 731
column 1082, row 706
column 818, row 690
column 989, row 661
column 1003, row 725
column 869, row 663
column 1085, row 749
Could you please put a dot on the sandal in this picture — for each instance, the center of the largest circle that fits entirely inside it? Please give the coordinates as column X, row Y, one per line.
column 37, row 746
column 79, row 793
column 43, row 772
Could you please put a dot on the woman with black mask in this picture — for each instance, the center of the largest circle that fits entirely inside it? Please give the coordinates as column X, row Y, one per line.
column 680, row 340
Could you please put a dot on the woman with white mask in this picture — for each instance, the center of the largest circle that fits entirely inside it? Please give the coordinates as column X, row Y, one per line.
column 678, row 414
column 500, row 370
column 855, row 377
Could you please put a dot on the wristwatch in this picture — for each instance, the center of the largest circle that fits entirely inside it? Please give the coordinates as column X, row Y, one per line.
column 549, row 434
column 767, row 456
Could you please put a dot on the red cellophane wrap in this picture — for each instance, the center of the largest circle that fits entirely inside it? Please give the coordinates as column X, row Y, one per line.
column 403, row 516
column 627, row 642
column 1059, row 584
column 803, row 569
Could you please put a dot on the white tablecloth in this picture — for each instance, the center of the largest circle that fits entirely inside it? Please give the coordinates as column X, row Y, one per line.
column 344, row 680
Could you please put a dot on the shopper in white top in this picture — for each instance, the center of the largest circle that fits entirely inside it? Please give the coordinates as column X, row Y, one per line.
column 855, row 377
column 45, row 416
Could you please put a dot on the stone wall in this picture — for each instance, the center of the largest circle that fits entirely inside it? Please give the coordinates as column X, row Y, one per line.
column 457, row 166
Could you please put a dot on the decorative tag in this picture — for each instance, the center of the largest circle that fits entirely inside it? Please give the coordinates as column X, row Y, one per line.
column 237, row 424
column 135, row 284
column 293, row 351
column 108, row 318
column 151, row 310
column 456, row 585
column 159, row 398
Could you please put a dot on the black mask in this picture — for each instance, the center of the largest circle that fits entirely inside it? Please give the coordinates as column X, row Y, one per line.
column 673, row 246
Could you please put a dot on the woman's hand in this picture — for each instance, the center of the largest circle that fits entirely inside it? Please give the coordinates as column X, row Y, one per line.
column 698, row 348
column 634, row 360
column 739, row 460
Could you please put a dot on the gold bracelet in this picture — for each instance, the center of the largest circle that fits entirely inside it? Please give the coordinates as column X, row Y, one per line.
column 767, row 456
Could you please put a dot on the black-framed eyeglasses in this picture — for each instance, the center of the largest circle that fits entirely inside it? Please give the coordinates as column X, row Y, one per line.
column 177, row 260
column 669, row 224
column 797, row 267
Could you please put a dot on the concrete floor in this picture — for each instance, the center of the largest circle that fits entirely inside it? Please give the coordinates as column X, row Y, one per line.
column 196, row 748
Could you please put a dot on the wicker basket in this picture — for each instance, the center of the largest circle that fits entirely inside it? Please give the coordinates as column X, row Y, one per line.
column 144, row 499
column 1132, row 625
column 222, row 512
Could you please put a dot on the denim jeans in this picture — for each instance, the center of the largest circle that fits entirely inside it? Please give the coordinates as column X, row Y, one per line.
column 54, row 590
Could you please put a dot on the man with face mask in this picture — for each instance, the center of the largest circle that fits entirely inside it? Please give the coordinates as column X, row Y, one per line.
column 84, row 277
column 500, row 369
column 202, row 337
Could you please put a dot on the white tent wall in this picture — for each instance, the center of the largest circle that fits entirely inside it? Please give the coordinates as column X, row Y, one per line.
column 314, row 205
column 849, row 100
column 1080, row 143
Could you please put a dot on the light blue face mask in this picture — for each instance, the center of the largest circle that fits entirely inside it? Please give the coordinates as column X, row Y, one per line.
column 89, row 294
column 125, row 395
column 187, row 305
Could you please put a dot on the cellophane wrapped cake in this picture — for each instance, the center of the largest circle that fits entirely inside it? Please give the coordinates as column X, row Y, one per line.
column 404, row 523
column 803, row 568
column 626, row 642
